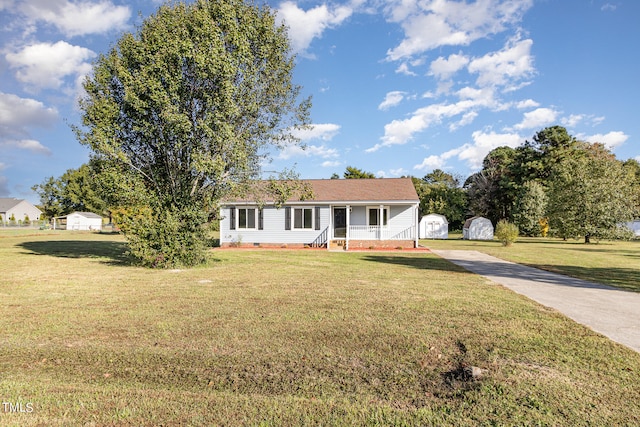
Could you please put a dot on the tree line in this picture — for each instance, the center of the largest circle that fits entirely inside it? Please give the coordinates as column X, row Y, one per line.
column 554, row 184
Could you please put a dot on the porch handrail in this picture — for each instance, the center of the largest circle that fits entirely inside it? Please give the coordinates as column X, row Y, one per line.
column 375, row 232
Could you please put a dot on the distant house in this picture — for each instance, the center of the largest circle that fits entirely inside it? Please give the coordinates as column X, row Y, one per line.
column 19, row 209
column 434, row 226
column 79, row 221
column 345, row 213
column 477, row 228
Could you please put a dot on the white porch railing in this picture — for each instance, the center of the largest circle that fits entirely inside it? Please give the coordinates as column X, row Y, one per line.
column 374, row 232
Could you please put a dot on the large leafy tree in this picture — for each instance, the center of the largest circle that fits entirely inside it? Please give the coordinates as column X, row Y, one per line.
column 183, row 113
column 590, row 194
column 529, row 213
column 75, row 190
column 440, row 193
column 492, row 190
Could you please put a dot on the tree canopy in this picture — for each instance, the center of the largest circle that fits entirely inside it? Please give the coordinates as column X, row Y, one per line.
column 355, row 173
column 182, row 113
column 75, row 190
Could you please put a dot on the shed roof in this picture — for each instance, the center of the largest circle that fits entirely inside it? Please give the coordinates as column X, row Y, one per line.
column 84, row 214
column 468, row 222
column 356, row 190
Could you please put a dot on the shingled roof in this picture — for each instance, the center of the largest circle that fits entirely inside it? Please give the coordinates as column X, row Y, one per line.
column 357, row 190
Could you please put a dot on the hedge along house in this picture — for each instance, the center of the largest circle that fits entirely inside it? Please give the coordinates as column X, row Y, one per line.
column 341, row 213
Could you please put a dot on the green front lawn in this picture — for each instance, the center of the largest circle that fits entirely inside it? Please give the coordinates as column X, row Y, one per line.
column 306, row 337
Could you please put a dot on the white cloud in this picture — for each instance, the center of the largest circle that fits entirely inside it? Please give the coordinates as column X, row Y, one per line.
column 483, row 143
column 472, row 153
column 537, row 118
column 76, row 18
column 400, row 132
column 610, row 140
column 430, row 163
column 45, row 65
column 391, row 100
column 404, row 69
column 608, row 7
column 466, row 119
column 397, row 172
column 27, row 144
column 304, row 26
column 527, row 103
column 322, row 131
column 503, row 68
column 330, row 164
column 433, row 23
column 17, row 113
column 572, row 120
column 444, row 68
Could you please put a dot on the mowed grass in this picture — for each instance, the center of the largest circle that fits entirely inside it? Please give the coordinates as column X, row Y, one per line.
column 615, row 263
column 288, row 338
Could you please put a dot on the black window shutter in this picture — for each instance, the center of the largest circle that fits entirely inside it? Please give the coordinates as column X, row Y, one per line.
column 317, row 217
column 287, row 218
column 260, row 220
column 232, row 218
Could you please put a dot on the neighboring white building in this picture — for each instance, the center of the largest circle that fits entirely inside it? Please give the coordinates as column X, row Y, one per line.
column 79, row 221
column 19, row 209
column 477, row 228
column 346, row 213
column 434, row 226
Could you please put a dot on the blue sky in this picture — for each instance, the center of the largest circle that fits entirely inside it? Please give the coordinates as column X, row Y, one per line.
column 399, row 87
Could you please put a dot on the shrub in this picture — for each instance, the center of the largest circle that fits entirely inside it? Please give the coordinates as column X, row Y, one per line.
column 506, row 232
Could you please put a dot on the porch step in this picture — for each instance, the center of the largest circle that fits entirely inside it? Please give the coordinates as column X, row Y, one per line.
column 338, row 244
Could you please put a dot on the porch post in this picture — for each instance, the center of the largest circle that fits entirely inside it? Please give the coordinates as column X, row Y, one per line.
column 416, row 225
column 380, row 221
column 346, row 239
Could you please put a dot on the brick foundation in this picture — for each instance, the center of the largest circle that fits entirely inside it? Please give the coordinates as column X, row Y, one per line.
column 382, row 244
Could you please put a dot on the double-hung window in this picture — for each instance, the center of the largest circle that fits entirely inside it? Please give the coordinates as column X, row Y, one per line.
column 246, row 218
column 303, row 218
column 373, row 216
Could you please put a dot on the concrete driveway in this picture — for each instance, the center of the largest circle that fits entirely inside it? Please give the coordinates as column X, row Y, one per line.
column 609, row 311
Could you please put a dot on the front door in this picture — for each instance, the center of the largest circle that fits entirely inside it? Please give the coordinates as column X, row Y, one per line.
column 340, row 222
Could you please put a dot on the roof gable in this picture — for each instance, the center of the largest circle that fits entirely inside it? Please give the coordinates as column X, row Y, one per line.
column 8, row 203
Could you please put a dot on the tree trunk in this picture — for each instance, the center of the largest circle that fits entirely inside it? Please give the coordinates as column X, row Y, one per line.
column 587, row 239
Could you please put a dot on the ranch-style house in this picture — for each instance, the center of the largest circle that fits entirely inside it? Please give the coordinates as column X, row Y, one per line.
column 342, row 213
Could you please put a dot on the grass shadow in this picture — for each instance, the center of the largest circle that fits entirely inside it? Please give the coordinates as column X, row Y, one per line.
column 627, row 279
column 114, row 253
column 419, row 262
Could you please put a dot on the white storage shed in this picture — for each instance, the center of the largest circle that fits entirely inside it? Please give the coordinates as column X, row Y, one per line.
column 434, row 226
column 78, row 221
column 477, row 228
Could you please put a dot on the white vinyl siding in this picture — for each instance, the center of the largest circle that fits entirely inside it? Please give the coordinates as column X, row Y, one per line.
column 273, row 229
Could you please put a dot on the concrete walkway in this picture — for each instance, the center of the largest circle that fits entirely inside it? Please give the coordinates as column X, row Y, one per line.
column 609, row 311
